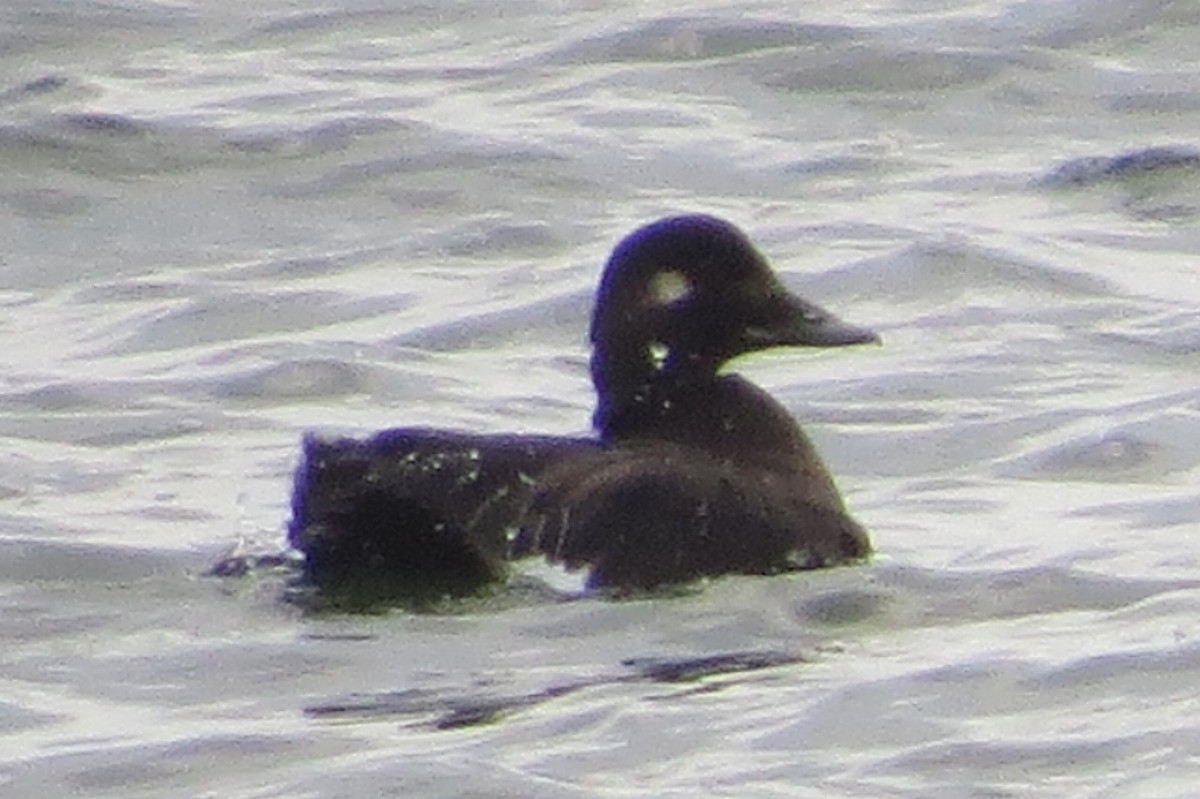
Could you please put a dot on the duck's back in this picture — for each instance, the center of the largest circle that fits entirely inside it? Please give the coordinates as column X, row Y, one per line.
column 704, row 481
column 416, row 506
column 646, row 516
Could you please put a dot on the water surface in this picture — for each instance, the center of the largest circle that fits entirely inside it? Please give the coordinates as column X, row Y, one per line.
column 229, row 223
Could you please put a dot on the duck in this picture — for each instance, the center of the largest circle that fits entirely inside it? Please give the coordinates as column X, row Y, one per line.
column 692, row 472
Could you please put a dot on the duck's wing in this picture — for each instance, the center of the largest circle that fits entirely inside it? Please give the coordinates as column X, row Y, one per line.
column 647, row 516
column 432, row 509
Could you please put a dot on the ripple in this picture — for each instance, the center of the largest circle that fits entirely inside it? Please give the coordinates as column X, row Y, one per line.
column 202, row 320
column 1146, row 451
column 954, row 267
column 1136, row 164
column 868, row 67
column 696, row 38
column 296, row 379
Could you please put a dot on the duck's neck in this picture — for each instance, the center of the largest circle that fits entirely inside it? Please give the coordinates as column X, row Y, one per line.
column 621, row 374
column 723, row 416
column 632, row 380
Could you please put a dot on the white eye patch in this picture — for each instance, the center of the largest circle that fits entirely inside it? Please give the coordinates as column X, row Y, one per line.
column 667, row 287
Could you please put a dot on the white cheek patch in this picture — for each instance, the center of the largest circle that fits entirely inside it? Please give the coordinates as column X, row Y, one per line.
column 658, row 354
column 668, row 287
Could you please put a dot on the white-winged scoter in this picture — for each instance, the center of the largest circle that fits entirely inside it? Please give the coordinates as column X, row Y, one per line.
column 692, row 472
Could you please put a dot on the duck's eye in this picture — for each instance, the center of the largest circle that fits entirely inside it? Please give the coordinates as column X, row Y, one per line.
column 667, row 287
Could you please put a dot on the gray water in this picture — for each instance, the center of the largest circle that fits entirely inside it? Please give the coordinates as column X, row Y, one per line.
column 224, row 224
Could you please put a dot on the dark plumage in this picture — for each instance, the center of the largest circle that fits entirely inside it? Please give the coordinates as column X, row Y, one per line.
column 693, row 472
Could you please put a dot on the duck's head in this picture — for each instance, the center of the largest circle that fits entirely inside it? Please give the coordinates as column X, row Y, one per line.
column 682, row 296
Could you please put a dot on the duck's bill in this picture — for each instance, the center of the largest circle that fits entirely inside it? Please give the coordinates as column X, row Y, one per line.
column 792, row 321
